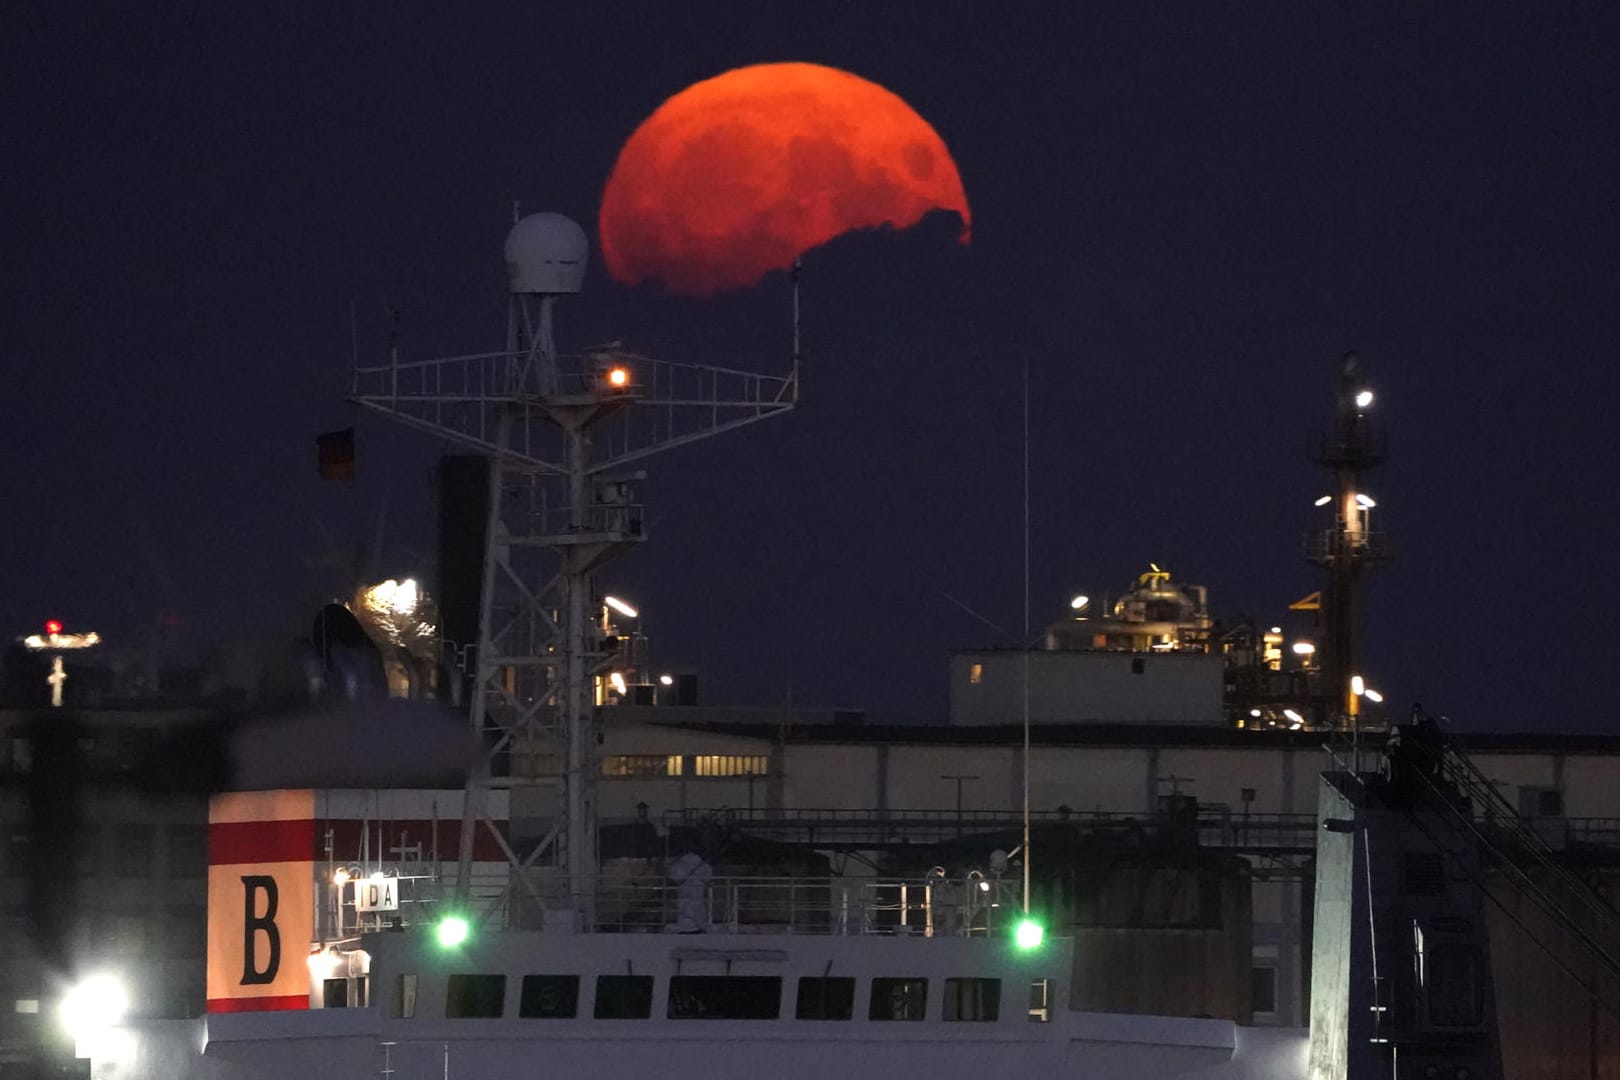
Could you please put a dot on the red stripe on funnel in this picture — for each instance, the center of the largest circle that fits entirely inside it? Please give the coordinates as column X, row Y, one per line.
column 258, row 1004
column 261, row 842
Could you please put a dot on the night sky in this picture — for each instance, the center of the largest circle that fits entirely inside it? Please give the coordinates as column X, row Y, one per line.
column 1183, row 215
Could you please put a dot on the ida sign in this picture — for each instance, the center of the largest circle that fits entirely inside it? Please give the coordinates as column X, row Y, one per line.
column 261, row 900
column 376, row 893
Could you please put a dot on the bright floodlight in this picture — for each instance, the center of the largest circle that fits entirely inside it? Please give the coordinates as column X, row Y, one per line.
column 666, row 680
column 1324, row 500
column 1293, row 716
column 395, row 597
column 1303, row 648
column 1357, row 685
column 620, row 606
column 95, row 1004
column 1254, row 712
column 1079, row 602
column 453, row 930
column 618, row 377
column 1374, row 696
column 1364, row 399
column 1365, row 502
column 1029, row 934
column 617, row 681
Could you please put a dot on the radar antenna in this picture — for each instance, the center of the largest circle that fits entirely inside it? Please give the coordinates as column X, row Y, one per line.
column 559, row 433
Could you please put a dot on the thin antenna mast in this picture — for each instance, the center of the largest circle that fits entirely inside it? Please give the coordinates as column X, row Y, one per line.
column 798, row 271
column 1026, row 636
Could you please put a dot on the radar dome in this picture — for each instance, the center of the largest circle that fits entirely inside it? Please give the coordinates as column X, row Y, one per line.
column 545, row 253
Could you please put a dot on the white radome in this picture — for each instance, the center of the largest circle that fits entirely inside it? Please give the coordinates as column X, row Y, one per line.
column 546, row 253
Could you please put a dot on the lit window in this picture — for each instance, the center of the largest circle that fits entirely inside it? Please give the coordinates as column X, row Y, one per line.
column 1040, row 1001
column 720, row 765
column 976, row 674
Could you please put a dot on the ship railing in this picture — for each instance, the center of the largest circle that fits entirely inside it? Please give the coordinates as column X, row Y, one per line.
column 801, row 905
column 463, row 397
column 933, row 906
column 1328, row 544
column 1214, row 827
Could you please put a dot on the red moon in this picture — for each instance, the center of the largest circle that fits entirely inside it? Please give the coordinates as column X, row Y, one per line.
column 740, row 174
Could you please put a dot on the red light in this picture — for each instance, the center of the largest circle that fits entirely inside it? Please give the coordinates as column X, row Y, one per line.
column 52, row 626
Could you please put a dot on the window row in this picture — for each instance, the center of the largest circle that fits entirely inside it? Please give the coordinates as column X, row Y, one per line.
column 707, row 766
column 721, row 997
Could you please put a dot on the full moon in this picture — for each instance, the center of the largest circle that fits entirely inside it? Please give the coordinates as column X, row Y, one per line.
column 740, row 174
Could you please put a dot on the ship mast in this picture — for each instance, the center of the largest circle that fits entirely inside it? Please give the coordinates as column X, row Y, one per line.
column 558, row 433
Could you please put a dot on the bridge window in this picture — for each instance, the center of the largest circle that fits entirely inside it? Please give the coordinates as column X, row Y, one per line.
column 730, row 764
column 404, row 1004
column 623, row 997
column 549, row 996
column 335, row 993
column 829, row 998
column 475, row 997
column 973, row 999
column 898, row 999
column 725, row 997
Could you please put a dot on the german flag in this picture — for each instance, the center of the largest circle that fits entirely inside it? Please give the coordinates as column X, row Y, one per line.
column 334, row 454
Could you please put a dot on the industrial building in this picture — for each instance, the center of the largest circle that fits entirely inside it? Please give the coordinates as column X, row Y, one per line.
column 1232, row 809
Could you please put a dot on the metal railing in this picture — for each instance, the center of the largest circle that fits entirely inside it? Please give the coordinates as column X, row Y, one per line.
column 1214, row 827
column 934, row 906
column 975, row 905
column 674, row 402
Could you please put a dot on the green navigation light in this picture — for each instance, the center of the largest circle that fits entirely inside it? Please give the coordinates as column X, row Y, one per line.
column 1029, row 934
column 453, row 930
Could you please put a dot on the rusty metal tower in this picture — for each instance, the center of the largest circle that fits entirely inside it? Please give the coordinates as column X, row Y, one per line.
column 1351, row 544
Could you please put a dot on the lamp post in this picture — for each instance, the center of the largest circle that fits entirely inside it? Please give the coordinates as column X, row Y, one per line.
column 54, row 640
column 1358, row 690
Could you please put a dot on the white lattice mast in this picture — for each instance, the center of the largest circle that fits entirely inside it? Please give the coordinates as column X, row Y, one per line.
column 559, row 431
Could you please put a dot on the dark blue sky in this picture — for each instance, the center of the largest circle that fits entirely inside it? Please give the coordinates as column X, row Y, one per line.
column 1183, row 214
